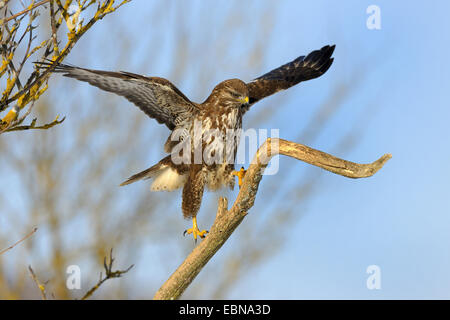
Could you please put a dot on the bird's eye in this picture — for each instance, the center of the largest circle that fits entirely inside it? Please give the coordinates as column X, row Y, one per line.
column 235, row 95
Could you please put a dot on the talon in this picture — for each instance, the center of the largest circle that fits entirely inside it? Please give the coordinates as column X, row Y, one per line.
column 240, row 174
column 195, row 230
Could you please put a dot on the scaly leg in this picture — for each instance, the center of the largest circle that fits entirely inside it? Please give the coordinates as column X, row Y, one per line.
column 195, row 230
column 240, row 174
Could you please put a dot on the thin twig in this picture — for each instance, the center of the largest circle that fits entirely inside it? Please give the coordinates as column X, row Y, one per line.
column 40, row 286
column 109, row 274
column 24, row 11
column 54, row 30
column 228, row 220
column 23, row 239
column 32, row 125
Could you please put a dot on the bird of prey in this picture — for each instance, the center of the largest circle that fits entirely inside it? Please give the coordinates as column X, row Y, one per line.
column 222, row 111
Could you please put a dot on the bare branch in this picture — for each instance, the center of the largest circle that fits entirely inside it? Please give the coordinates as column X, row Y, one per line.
column 40, row 286
column 227, row 220
column 36, row 83
column 24, row 11
column 32, row 125
column 109, row 274
column 23, row 239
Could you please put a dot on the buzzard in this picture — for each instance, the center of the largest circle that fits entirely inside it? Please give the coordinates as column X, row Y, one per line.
column 218, row 115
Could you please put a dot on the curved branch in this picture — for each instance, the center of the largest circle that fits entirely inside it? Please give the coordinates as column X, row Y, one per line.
column 227, row 220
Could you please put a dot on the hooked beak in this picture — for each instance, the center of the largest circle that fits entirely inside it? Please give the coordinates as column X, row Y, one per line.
column 244, row 101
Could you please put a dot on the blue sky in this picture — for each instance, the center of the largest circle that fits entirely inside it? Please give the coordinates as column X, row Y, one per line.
column 397, row 219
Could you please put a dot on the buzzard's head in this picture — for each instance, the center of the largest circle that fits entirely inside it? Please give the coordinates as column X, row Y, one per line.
column 232, row 93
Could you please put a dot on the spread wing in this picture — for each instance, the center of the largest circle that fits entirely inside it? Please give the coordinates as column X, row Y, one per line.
column 301, row 69
column 157, row 97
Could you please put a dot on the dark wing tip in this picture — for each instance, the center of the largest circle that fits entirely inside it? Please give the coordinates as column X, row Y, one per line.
column 323, row 54
column 326, row 66
column 328, row 50
column 303, row 68
column 331, row 47
column 320, row 60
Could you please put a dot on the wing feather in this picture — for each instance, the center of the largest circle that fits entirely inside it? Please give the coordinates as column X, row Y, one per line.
column 301, row 69
column 157, row 97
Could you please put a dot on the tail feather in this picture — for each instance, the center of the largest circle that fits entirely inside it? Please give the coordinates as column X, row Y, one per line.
column 166, row 176
column 146, row 174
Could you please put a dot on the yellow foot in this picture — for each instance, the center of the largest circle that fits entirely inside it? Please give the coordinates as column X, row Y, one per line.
column 240, row 174
column 195, row 230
